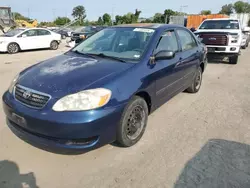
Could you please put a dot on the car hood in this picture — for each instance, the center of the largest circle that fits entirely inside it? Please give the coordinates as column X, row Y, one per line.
column 218, row 31
column 70, row 73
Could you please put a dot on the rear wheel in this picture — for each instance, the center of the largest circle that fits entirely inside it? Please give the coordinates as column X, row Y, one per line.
column 196, row 85
column 13, row 48
column 233, row 59
column 54, row 45
column 133, row 122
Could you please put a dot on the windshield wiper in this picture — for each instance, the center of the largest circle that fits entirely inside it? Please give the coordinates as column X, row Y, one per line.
column 86, row 54
column 110, row 57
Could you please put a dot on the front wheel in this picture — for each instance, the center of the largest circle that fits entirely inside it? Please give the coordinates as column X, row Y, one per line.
column 196, row 84
column 133, row 122
column 54, row 45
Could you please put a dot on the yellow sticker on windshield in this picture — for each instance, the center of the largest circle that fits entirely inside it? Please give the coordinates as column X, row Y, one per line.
column 145, row 30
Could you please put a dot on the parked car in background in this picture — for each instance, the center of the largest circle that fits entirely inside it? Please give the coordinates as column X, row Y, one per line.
column 28, row 39
column 81, row 34
column 65, row 32
column 222, row 36
column 246, row 37
column 103, row 90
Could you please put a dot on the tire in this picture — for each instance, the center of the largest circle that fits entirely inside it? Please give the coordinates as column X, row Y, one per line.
column 244, row 47
column 233, row 59
column 133, row 122
column 196, row 84
column 13, row 48
column 54, row 45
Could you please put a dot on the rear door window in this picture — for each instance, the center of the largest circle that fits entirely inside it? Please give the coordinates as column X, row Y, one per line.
column 42, row 32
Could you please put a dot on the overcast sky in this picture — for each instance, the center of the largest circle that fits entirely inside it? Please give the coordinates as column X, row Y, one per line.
column 46, row 10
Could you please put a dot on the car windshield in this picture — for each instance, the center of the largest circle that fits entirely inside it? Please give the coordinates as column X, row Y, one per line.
column 12, row 33
column 83, row 29
column 127, row 43
column 220, row 24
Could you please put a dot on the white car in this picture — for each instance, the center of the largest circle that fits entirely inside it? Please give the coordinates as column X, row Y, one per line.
column 28, row 39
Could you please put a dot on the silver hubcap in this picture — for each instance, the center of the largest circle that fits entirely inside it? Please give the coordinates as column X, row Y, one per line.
column 13, row 48
column 198, row 80
column 54, row 45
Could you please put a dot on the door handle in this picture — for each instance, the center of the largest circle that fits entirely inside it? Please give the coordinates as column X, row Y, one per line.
column 179, row 62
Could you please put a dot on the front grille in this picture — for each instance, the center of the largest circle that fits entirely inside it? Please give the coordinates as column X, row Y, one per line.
column 31, row 98
column 214, row 39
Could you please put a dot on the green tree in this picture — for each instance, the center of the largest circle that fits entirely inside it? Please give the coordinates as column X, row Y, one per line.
column 106, row 19
column 167, row 14
column 18, row 16
column 79, row 12
column 206, row 12
column 99, row 21
column 118, row 19
column 61, row 20
column 241, row 7
column 134, row 17
column 159, row 18
column 227, row 9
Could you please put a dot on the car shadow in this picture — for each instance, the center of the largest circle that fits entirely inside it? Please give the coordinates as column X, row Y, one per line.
column 217, row 60
column 219, row 164
column 10, row 176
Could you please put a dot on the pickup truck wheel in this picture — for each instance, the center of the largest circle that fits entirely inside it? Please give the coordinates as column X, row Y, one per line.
column 196, row 85
column 133, row 122
column 13, row 48
column 244, row 47
column 54, row 45
column 233, row 60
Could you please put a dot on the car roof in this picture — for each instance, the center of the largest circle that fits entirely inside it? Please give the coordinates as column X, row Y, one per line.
column 150, row 25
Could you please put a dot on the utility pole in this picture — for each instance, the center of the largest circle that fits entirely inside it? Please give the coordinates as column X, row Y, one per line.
column 112, row 16
column 54, row 13
column 182, row 7
column 28, row 12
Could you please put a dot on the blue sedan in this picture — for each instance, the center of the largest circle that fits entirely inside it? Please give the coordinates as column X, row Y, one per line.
column 103, row 90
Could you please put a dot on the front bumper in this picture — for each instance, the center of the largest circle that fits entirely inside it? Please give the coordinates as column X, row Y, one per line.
column 62, row 131
column 223, row 49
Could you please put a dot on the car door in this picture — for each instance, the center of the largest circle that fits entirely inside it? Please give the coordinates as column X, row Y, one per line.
column 44, row 38
column 167, row 81
column 28, row 40
column 189, row 58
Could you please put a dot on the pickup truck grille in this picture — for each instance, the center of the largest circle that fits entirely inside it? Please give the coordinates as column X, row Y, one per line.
column 214, row 39
column 31, row 98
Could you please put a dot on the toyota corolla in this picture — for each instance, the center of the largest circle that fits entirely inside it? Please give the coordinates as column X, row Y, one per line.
column 103, row 90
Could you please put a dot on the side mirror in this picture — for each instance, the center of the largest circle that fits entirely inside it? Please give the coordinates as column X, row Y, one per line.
column 246, row 29
column 164, row 54
column 24, row 36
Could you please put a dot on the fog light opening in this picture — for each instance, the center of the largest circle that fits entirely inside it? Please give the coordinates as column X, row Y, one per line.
column 232, row 49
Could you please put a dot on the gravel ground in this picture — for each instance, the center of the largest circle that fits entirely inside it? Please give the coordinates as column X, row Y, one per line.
column 175, row 133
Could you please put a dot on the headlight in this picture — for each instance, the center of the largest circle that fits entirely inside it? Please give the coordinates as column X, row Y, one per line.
column 235, row 36
column 84, row 100
column 13, row 83
column 82, row 36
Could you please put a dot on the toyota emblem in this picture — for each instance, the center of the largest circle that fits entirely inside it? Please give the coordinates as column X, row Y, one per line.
column 26, row 94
